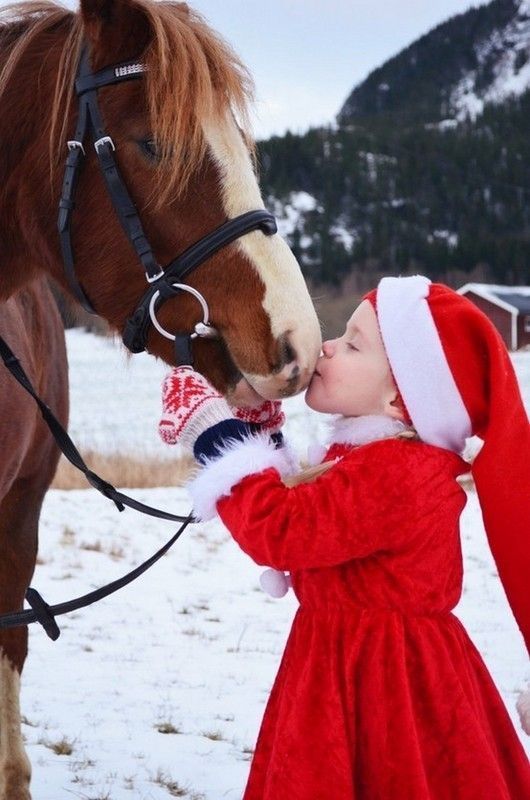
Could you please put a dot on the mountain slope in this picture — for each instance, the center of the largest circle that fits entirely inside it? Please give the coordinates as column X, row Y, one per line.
column 473, row 58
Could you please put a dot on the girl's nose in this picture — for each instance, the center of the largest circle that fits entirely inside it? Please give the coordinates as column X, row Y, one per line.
column 327, row 349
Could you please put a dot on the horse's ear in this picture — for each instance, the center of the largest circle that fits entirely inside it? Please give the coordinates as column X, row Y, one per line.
column 116, row 30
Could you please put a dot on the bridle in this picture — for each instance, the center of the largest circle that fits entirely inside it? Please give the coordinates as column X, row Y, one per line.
column 162, row 283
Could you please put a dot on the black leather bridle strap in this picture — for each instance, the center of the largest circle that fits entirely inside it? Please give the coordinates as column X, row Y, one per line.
column 87, row 85
column 125, row 208
column 119, row 194
column 69, row 449
column 74, row 163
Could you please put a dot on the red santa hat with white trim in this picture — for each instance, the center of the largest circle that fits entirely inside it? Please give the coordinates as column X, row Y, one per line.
column 456, row 379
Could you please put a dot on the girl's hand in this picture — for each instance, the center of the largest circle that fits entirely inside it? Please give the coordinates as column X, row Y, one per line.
column 269, row 416
column 190, row 405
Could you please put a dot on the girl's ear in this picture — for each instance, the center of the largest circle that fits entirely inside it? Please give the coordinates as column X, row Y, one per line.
column 394, row 407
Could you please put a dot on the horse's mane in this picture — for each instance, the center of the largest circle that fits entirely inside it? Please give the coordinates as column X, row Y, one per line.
column 191, row 73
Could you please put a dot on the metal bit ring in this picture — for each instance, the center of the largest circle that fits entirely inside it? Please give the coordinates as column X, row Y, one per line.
column 202, row 329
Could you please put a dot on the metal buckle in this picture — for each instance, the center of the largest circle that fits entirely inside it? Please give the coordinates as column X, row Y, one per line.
column 104, row 140
column 154, row 278
column 72, row 144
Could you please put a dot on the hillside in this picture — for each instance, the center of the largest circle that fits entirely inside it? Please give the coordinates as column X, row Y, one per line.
column 470, row 60
column 422, row 176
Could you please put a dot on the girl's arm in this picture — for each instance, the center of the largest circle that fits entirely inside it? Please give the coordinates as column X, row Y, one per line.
column 354, row 510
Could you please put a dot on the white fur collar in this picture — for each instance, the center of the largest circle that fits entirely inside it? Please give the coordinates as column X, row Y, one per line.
column 361, row 430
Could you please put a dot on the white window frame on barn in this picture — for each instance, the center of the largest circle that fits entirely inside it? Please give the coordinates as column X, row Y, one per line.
column 527, row 323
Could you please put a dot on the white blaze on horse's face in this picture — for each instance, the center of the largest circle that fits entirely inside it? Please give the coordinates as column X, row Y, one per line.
column 293, row 319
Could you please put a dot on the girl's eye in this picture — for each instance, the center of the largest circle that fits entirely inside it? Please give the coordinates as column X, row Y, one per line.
column 352, row 346
column 149, row 149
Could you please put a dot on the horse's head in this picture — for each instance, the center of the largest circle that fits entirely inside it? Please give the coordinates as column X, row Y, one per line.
column 188, row 165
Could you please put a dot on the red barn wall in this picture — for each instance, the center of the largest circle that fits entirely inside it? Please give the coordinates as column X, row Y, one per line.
column 501, row 318
column 522, row 337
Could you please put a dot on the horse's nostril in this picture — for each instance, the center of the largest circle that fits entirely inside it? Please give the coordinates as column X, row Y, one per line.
column 295, row 372
column 286, row 352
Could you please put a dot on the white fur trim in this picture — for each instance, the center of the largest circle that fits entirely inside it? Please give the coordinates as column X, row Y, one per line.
column 419, row 364
column 355, row 431
column 523, row 709
column 291, row 457
column 237, row 460
column 365, row 429
column 316, row 453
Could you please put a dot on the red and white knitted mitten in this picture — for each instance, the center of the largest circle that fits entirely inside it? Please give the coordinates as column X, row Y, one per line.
column 269, row 416
column 190, row 405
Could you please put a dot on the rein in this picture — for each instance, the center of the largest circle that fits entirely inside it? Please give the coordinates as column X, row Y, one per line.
column 41, row 611
column 163, row 283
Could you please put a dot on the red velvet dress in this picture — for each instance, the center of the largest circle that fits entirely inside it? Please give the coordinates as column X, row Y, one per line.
column 380, row 695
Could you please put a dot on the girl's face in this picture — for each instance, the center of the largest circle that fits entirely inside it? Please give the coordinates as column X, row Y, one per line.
column 352, row 376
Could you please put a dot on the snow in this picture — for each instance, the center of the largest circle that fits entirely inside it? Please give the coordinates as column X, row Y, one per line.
column 499, row 289
column 448, row 236
column 443, row 125
column 346, row 237
column 373, row 160
column 193, row 646
column 290, row 214
column 504, row 45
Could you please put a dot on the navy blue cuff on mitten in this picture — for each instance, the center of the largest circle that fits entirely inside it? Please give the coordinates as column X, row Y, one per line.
column 211, row 442
column 277, row 438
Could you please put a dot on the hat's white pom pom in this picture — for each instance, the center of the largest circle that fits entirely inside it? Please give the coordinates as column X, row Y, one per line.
column 523, row 708
column 275, row 582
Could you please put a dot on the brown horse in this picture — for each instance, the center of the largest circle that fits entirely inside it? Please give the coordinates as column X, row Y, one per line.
column 184, row 151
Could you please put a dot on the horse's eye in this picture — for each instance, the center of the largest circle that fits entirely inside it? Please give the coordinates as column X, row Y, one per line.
column 149, row 148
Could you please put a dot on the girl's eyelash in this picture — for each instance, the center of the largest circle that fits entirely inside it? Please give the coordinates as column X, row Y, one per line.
column 352, row 346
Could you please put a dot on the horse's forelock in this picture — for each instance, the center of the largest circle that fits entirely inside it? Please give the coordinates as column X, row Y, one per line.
column 192, row 75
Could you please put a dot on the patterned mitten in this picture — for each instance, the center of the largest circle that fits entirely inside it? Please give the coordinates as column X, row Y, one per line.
column 269, row 416
column 190, row 405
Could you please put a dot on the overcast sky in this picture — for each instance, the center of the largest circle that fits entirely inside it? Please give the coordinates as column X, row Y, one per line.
column 307, row 55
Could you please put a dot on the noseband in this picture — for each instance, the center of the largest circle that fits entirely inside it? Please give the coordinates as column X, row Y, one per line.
column 163, row 283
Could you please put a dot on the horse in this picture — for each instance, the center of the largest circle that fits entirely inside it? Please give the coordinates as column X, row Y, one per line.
column 182, row 140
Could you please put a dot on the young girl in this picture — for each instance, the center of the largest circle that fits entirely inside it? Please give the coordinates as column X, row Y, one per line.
column 380, row 695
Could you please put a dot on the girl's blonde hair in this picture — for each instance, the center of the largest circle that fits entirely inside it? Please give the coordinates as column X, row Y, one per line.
column 310, row 474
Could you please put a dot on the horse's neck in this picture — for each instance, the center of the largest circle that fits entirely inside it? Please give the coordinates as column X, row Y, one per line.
column 24, row 245
column 27, row 222
column 24, row 252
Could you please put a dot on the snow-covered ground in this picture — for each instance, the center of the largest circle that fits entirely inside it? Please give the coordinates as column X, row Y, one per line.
column 159, row 690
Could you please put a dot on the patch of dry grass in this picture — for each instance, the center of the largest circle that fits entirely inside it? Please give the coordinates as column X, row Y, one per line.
column 62, row 747
column 125, row 470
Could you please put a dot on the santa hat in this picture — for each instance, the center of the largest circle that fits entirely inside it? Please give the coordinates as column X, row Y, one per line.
column 456, row 379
